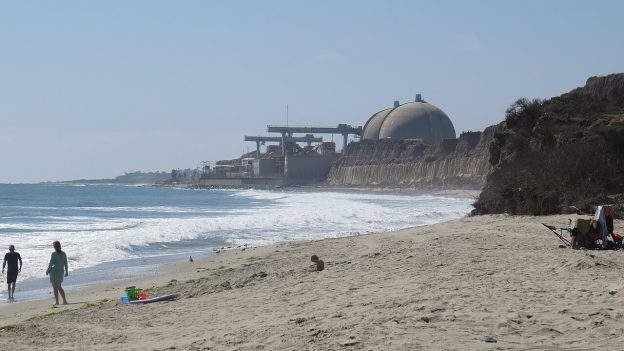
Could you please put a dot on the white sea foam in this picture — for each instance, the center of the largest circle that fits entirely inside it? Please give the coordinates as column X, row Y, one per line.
column 287, row 216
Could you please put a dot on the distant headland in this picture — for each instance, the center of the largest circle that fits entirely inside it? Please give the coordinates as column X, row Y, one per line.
column 137, row 177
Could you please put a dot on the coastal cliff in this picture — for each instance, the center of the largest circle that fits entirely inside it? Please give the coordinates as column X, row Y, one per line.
column 452, row 163
column 562, row 154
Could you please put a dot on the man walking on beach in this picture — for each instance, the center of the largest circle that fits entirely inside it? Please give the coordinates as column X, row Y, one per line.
column 10, row 259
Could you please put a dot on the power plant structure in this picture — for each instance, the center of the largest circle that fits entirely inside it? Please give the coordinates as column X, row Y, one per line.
column 285, row 162
column 413, row 120
column 343, row 129
column 308, row 138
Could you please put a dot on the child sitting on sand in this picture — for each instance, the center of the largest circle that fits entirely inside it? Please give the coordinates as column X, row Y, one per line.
column 320, row 265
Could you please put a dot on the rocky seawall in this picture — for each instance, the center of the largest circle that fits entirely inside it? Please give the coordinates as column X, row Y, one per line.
column 461, row 163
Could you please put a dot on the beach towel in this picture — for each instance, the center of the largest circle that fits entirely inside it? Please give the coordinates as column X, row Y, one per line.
column 602, row 225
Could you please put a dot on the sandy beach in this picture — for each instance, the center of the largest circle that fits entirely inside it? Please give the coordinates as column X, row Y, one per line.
column 441, row 287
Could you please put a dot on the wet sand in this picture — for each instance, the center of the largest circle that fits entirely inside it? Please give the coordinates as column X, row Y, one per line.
column 441, row 287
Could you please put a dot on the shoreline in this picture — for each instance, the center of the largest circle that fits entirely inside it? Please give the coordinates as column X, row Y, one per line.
column 35, row 289
column 36, row 286
column 147, row 275
column 441, row 286
column 86, row 294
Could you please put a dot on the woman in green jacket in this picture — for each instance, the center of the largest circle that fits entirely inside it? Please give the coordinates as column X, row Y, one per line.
column 58, row 263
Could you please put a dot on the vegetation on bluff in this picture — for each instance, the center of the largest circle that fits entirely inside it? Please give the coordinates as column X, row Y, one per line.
column 558, row 154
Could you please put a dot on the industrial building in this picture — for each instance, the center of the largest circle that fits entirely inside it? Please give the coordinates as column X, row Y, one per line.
column 285, row 162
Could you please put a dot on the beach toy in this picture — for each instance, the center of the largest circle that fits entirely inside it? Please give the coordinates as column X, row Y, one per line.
column 133, row 293
column 143, row 296
column 124, row 299
column 168, row 297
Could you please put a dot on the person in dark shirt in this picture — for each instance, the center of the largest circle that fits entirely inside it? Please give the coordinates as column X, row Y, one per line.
column 10, row 259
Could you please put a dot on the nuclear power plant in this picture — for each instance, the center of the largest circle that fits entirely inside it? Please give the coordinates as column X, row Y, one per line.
column 413, row 120
column 299, row 155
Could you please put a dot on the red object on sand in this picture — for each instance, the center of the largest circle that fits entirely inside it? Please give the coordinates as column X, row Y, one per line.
column 608, row 210
column 143, row 296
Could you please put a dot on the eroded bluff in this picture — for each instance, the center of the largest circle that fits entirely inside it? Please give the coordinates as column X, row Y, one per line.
column 454, row 163
column 559, row 155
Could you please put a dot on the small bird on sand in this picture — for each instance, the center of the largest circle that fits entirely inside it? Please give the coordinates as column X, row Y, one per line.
column 190, row 258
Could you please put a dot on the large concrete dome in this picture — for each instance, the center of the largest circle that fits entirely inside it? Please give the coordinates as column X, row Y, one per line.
column 413, row 120
column 372, row 127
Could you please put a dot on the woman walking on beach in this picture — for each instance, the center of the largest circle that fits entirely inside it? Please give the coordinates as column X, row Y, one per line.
column 58, row 264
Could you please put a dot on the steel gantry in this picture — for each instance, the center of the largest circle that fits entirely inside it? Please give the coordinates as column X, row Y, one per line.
column 308, row 138
column 288, row 131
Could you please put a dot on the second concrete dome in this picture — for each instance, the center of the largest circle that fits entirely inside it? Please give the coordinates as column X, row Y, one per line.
column 413, row 120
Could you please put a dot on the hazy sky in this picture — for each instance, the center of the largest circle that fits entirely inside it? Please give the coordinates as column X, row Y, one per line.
column 93, row 89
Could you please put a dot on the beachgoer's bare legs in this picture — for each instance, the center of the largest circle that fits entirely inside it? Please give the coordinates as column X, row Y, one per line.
column 58, row 289
column 62, row 292
column 12, row 291
column 55, row 289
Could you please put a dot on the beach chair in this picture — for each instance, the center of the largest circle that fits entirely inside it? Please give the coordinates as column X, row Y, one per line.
column 584, row 233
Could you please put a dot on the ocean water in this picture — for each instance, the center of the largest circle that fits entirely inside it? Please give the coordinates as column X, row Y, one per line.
column 112, row 231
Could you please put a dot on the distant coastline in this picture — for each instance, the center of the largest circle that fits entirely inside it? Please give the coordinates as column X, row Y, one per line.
column 137, row 177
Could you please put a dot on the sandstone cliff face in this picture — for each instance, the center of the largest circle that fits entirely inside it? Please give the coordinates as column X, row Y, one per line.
column 563, row 152
column 455, row 163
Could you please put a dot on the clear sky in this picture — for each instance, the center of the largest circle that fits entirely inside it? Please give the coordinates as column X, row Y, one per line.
column 93, row 89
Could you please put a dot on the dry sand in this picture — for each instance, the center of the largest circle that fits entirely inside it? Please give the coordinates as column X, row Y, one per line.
column 439, row 287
